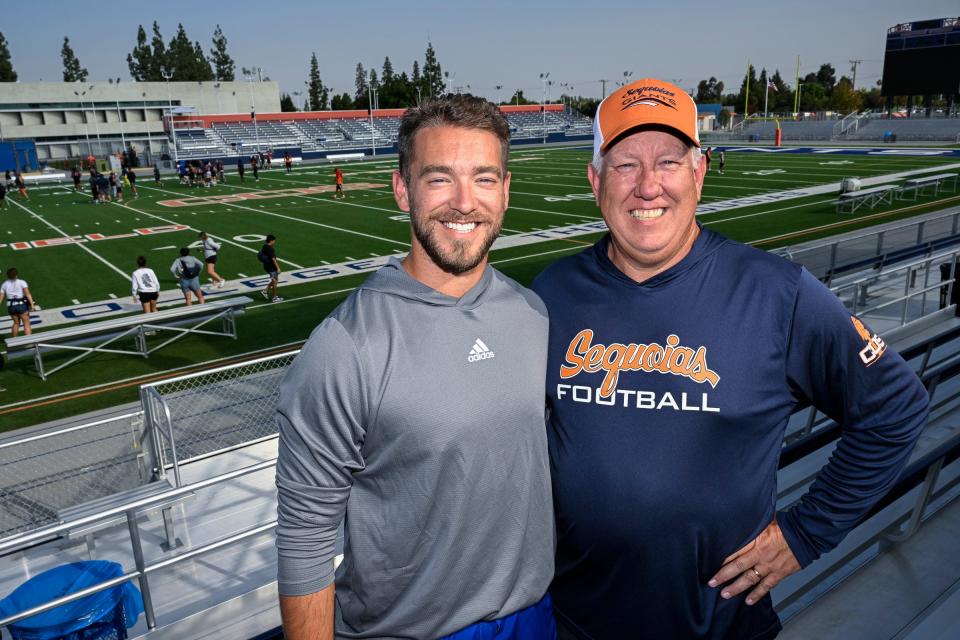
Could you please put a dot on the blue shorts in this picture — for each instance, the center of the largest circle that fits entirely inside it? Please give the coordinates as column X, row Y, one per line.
column 190, row 284
column 535, row 622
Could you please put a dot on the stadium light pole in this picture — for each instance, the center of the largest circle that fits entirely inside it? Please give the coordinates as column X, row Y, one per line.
column 86, row 128
column 372, row 98
column 123, row 140
column 96, row 121
column 149, row 137
column 253, row 107
column 298, row 94
column 543, row 104
column 173, row 130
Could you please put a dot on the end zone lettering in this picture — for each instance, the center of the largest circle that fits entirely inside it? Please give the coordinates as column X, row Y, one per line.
column 20, row 245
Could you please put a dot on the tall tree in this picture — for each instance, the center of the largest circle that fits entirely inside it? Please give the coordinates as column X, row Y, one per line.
column 140, row 60
column 386, row 76
column 7, row 74
column 360, row 98
column 341, row 102
column 72, row 71
column 201, row 66
column 181, row 56
column 286, row 103
column 432, row 73
column 159, row 59
column 709, row 90
column 317, row 94
column 223, row 65
column 415, row 78
column 827, row 76
column 844, row 99
column 750, row 81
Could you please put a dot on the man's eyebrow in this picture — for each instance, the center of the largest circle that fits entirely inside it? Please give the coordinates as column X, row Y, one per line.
column 442, row 168
column 435, row 168
column 491, row 168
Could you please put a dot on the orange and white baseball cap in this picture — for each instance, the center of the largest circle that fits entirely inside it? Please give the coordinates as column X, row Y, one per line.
column 646, row 102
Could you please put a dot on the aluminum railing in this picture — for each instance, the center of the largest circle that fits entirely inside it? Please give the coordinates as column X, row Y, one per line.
column 142, row 568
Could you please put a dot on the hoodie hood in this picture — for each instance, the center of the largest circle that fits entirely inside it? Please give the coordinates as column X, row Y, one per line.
column 393, row 279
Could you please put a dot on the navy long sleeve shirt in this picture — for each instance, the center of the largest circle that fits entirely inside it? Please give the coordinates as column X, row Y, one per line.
column 668, row 404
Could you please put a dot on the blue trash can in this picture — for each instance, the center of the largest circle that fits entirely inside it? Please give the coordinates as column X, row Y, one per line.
column 105, row 615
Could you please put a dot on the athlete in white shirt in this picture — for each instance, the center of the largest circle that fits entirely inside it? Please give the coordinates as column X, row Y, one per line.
column 146, row 286
column 210, row 249
column 19, row 301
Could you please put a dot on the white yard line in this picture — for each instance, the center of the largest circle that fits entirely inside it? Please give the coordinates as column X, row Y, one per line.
column 311, row 222
column 124, row 274
column 222, row 239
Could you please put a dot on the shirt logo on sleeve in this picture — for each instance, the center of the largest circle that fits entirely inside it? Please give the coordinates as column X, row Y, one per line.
column 875, row 344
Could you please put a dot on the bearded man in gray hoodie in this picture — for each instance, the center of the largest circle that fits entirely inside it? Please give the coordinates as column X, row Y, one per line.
column 414, row 415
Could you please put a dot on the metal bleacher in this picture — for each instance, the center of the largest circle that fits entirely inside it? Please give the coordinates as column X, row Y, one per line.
column 908, row 129
column 334, row 134
column 864, row 127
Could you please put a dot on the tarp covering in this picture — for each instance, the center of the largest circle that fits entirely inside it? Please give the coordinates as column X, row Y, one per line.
column 74, row 616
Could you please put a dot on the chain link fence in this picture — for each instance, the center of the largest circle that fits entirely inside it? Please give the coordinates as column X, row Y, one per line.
column 44, row 473
column 201, row 414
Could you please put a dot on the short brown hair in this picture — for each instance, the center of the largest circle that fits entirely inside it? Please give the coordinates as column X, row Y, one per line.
column 455, row 110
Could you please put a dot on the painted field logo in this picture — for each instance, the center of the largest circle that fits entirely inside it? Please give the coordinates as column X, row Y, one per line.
column 672, row 358
column 196, row 201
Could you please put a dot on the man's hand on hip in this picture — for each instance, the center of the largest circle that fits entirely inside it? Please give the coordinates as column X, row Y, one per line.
column 760, row 565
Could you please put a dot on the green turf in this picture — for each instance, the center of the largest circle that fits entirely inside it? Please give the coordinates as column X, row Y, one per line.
column 549, row 189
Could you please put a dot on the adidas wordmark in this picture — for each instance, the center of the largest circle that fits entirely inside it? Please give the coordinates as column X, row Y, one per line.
column 479, row 351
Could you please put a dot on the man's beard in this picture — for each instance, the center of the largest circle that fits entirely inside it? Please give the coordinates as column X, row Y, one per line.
column 457, row 259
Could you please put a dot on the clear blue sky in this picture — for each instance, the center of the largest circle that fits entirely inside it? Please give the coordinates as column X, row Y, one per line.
column 483, row 43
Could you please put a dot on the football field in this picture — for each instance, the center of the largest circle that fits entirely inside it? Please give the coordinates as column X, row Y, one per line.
column 75, row 253
column 77, row 256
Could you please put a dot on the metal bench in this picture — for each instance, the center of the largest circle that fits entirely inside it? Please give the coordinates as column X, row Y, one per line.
column 870, row 197
column 47, row 176
column 344, row 157
column 144, row 492
column 96, row 337
column 917, row 185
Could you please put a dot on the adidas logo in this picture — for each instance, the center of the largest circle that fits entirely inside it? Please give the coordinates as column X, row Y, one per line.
column 479, row 352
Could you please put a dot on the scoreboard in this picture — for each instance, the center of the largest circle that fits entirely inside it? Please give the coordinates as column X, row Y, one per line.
column 922, row 58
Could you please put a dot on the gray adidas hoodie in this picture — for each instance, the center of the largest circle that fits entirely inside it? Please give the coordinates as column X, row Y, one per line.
column 418, row 420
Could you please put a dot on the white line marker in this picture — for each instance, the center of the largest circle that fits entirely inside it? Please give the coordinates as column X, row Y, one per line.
column 75, row 301
column 113, row 296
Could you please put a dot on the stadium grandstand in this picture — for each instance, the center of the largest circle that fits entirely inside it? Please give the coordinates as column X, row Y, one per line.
column 217, row 120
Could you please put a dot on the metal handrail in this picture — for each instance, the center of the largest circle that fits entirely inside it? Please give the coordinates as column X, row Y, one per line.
column 24, row 539
column 60, row 432
column 140, row 573
column 228, row 367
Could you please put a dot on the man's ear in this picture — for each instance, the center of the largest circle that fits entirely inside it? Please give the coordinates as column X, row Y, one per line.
column 400, row 192
column 594, row 177
column 506, row 191
column 699, row 173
